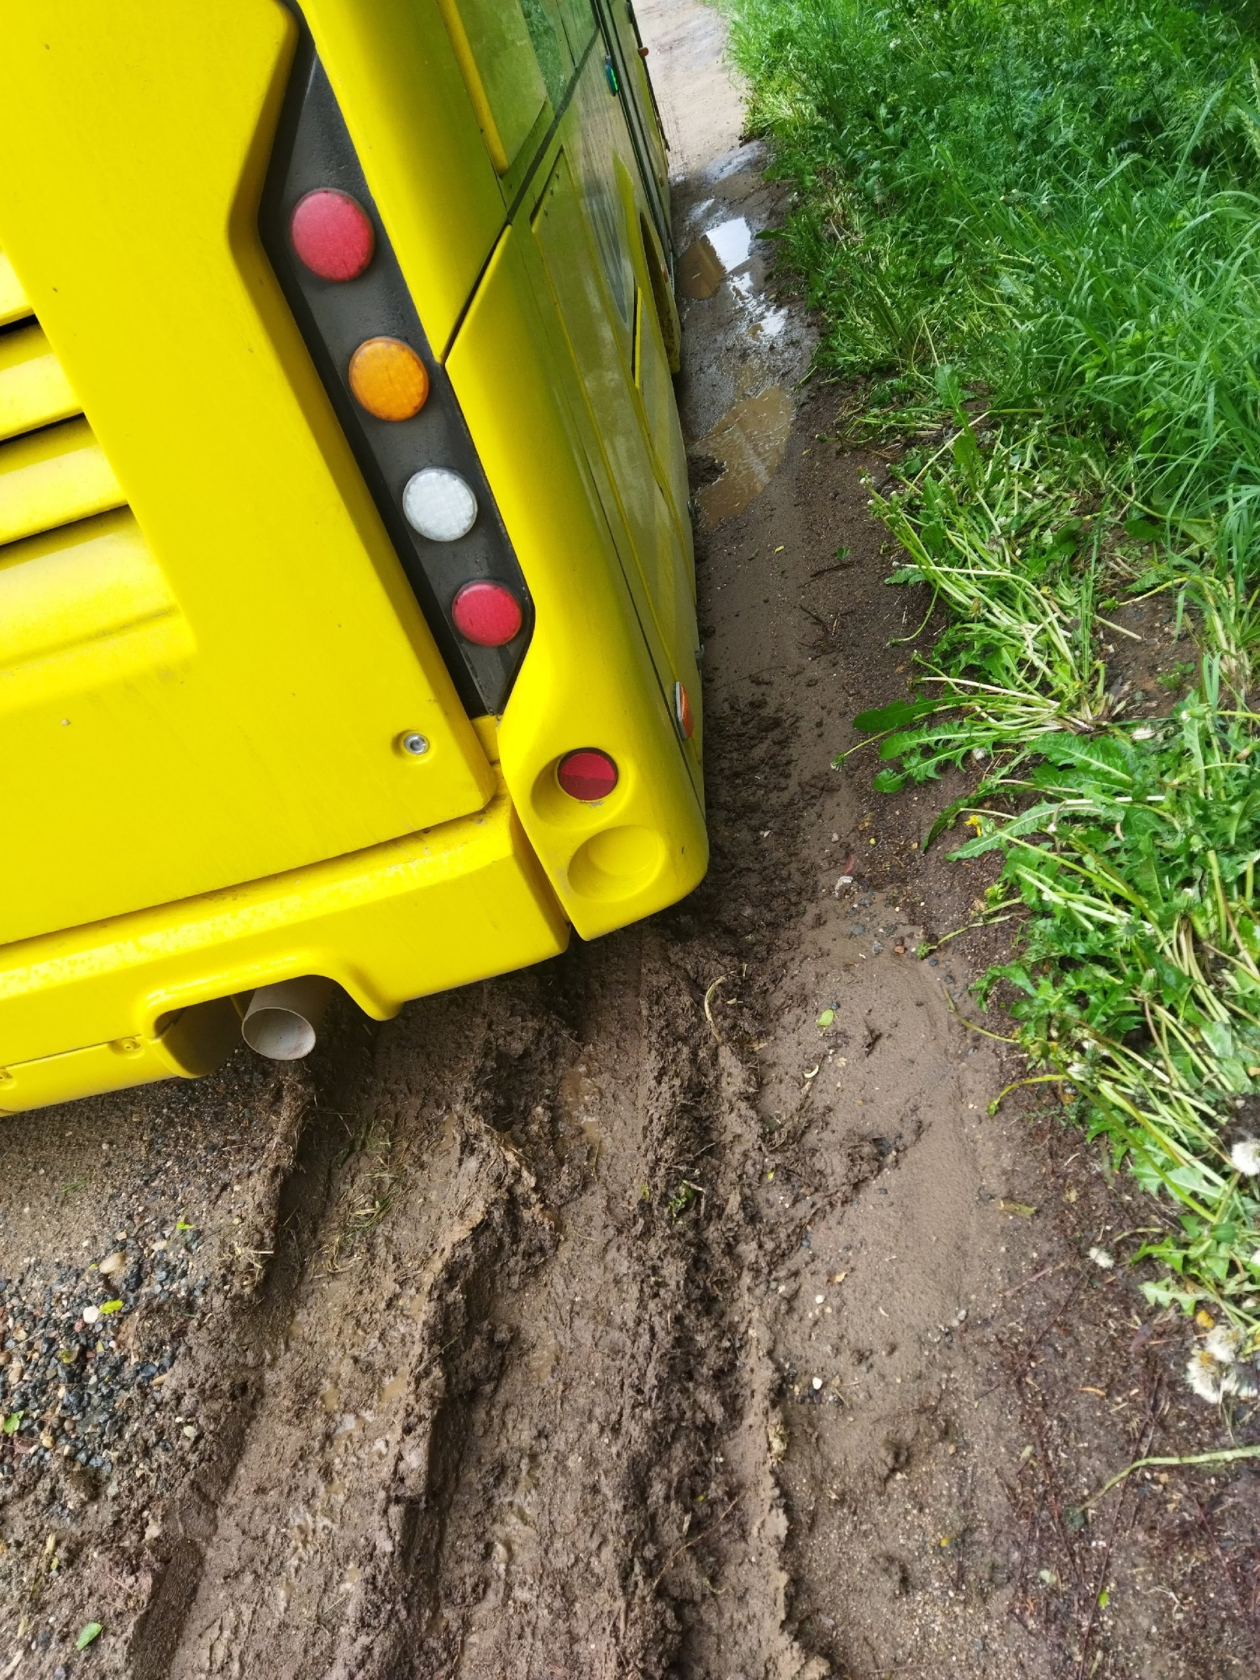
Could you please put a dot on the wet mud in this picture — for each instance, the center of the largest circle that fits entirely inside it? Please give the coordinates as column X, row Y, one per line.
column 676, row 1308
column 747, row 444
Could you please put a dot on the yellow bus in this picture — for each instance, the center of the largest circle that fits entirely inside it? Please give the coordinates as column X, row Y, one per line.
column 347, row 618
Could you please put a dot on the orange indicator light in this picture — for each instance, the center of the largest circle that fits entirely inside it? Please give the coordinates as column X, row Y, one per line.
column 389, row 379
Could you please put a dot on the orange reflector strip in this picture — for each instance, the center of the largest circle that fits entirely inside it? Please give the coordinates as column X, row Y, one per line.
column 389, row 379
column 682, row 711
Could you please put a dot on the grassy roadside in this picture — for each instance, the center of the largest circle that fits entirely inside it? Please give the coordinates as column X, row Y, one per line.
column 1033, row 233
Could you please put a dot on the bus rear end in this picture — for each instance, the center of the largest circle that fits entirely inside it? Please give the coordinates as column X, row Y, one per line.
column 347, row 618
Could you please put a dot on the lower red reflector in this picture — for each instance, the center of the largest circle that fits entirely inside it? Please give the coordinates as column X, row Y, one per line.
column 332, row 235
column 487, row 614
column 587, row 774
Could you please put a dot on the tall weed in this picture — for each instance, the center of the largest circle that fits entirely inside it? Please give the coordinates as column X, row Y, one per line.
column 1035, row 224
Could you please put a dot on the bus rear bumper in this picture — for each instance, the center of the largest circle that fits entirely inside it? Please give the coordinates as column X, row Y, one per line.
column 150, row 995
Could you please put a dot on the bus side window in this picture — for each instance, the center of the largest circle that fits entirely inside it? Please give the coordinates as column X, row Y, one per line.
column 578, row 17
column 496, row 54
column 595, row 144
column 551, row 47
column 563, row 236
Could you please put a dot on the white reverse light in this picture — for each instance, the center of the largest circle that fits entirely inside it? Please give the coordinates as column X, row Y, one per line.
column 439, row 504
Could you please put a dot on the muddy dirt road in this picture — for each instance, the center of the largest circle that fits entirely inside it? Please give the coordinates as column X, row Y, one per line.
column 676, row 1308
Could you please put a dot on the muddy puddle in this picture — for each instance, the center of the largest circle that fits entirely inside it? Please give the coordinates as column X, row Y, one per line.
column 739, row 394
column 748, row 444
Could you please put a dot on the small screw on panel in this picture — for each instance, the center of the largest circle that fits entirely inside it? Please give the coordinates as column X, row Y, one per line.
column 415, row 745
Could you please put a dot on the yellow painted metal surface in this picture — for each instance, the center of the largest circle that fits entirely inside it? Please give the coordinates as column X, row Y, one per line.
column 51, row 479
column 578, row 20
column 588, row 228
column 413, row 916
column 272, row 741
column 80, row 610
column 34, row 390
column 474, row 81
column 637, row 72
column 198, row 1041
column 652, row 365
column 508, row 67
column 601, row 344
column 13, row 304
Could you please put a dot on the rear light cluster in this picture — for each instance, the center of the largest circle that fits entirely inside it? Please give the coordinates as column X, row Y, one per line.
column 393, row 397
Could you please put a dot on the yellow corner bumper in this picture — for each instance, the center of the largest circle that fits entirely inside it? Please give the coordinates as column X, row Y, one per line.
column 147, row 995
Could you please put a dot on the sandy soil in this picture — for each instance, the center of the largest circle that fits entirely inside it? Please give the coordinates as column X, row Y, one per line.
column 675, row 1308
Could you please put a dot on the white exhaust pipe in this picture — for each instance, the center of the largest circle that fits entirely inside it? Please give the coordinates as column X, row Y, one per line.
column 282, row 1021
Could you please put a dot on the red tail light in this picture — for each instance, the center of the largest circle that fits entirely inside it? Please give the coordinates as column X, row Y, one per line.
column 332, row 234
column 487, row 614
column 587, row 774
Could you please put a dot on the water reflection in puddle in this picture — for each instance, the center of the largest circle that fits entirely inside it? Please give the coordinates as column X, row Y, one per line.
column 746, row 353
column 749, row 442
column 763, row 320
column 699, row 271
column 732, row 240
column 719, row 252
column 724, row 252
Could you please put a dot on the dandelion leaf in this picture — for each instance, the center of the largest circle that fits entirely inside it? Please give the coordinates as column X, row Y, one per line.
column 899, row 715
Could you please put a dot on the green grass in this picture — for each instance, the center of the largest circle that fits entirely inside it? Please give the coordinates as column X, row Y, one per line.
column 1032, row 231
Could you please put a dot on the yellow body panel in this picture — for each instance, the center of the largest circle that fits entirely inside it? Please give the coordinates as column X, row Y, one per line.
column 578, row 22
column 13, row 304
column 491, row 42
column 601, row 342
column 208, row 649
column 50, row 479
column 274, row 743
column 34, row 390
column 79, row 612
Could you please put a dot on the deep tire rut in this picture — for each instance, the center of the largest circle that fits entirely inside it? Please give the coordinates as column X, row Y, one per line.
column 523, row 1456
